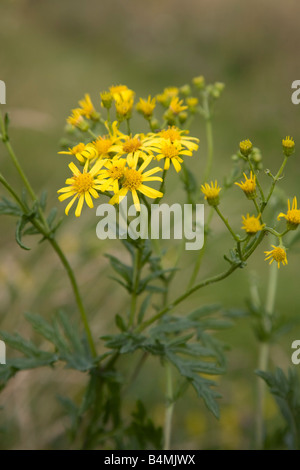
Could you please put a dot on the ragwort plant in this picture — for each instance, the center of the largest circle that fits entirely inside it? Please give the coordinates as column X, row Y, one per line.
column 108, row 160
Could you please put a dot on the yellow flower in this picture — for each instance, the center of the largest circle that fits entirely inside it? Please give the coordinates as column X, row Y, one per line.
column 106, row 99
column 123, row 91
column 252, row 224
column 104, row 146
column 246, row 147
column 211, row 193
column 278, row 254
column 292, row 216
column 82, row 186
column 113, row 173
column 168, row 93
column 146, row 107
column 176, row 105
column 171, row 152
column 177, row 135
column 288, row 145
column 74, row 150
column 89, row 153
column 134, row 147
column 77, row 120
column 248, row 186
column 123, row 106
column 192, row 103
column 199, row 82
column 133, row 182
column 87, row 108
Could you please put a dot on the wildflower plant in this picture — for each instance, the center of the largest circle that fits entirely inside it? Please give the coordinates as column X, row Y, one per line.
column 111, row 157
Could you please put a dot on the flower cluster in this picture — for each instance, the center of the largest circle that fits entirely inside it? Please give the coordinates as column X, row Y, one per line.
column 116, row 162
column 252, row 224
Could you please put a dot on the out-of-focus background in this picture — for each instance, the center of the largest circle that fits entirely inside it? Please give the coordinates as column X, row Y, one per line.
column 52, row 52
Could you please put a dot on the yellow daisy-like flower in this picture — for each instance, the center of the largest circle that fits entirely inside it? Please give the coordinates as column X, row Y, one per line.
column 170, row 152
column 73, row 150
column 248, row 186
column 146, row 107
column 134, row 181
column 121, row 91
column 82, row 186
column 89, row 153
column 104, row 146
column 76, row 119
column 87, row 107
column 113, row 173
column 134, row 147
column 278, row 254
column 252, row 224
column 211, row 193
column 246, row 147
column 124, row 106
column 176, row 105
column 288, row 145
column 178, row 135
column 292, row 216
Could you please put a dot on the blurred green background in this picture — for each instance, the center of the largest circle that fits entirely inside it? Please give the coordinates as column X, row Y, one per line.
column 55, row 51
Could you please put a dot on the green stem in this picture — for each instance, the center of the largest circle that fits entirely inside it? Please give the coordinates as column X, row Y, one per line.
column 21, row 173
column 236, row 238
column 209, row 137
column 206, row 282
column 135, row 282
column 128, row 126
column 264, row 354
column 201, row 253
column 79, row 302
column 256, row 206
column 257, row 181
column 92, row 134
column 177, row 301
column 44, row 229
column 169, row 409
column 275, row 179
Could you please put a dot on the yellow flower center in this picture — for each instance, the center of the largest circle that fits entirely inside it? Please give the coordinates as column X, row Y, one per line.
column 279, row 254
column 246, row 147
column 169, row 151
column 293, row 216
column 252, row 224
column 103, row 145
column 132, row 145
column 116, row 172
column 288, row 142
column 83, row 183
column 171, row 134
column 133, row 179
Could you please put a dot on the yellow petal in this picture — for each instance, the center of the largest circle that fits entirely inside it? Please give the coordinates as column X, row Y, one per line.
column 70, row 205
column 74, row 169
column 150, row 192
column 79, row 206
column 88, row 200
column 66, row 196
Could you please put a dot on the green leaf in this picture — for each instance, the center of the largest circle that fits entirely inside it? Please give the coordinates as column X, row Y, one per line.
column 19, row 231
column 8, row 207
column 143, row 308
column 120, row 323
column 43, row 200
column 286, row 390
